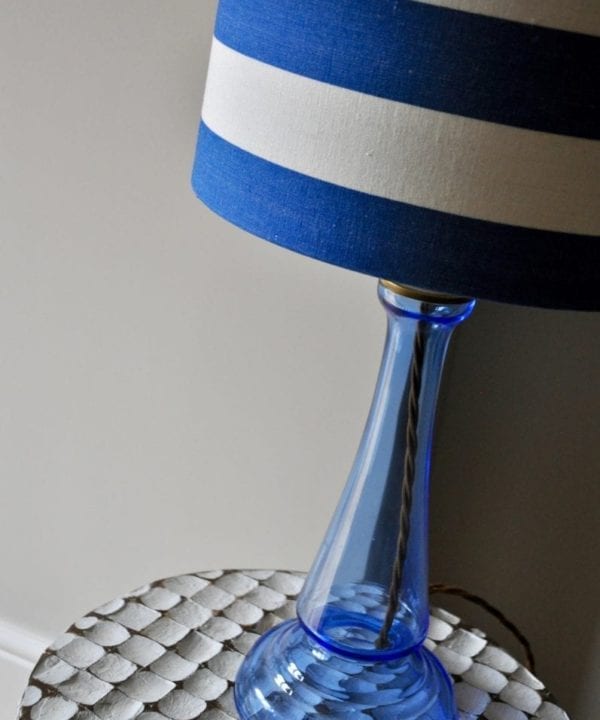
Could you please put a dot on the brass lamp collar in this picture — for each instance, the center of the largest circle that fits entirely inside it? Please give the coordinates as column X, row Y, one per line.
column 427, row 296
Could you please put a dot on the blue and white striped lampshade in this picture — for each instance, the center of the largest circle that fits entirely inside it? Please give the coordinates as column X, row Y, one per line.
column 452, row 145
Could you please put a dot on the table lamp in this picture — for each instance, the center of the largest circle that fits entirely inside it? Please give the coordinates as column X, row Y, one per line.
column 450, row 148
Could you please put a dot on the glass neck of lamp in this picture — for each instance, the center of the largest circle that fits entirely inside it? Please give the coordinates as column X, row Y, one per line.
column 347, row 593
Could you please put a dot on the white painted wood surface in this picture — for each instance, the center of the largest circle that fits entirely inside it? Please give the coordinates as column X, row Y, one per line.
column 13, row 680
column 19, row 651
column 179, row 642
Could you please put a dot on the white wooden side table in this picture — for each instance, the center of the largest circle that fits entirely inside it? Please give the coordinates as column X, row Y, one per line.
column 170, row 650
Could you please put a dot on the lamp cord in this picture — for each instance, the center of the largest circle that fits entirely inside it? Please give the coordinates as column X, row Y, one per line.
column 498, row 614
column 408, row 482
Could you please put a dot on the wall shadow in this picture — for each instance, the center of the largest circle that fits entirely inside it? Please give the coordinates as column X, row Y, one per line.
column 516, row 485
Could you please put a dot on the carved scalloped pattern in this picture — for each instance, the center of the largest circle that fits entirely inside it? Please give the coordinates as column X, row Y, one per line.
column 170, row 650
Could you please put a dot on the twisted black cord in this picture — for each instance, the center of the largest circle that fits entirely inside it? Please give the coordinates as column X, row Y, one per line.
column 408, row 481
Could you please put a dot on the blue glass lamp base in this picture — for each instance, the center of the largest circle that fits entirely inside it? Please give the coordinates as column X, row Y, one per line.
column 290, row 676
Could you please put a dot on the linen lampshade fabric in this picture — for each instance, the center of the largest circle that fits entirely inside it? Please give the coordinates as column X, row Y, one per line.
column 451, row 145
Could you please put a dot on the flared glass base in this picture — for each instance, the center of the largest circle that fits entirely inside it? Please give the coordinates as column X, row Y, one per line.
column 291, row 676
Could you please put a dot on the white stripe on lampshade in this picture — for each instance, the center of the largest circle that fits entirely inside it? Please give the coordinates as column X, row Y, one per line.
column 430, row 159
column 572, row 15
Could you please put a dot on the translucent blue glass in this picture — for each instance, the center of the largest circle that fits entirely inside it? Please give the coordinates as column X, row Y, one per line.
column 328, row 662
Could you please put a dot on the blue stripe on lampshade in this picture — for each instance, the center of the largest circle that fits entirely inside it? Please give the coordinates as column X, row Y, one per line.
column 447, row 144
column 457, row 62
column 385, row 238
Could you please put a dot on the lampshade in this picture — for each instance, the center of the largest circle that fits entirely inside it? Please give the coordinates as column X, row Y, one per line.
column 450, row 145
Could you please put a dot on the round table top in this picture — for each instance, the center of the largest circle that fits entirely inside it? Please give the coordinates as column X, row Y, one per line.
column 170, row 651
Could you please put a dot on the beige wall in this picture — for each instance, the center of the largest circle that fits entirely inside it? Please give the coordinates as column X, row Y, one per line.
column 176, row 395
